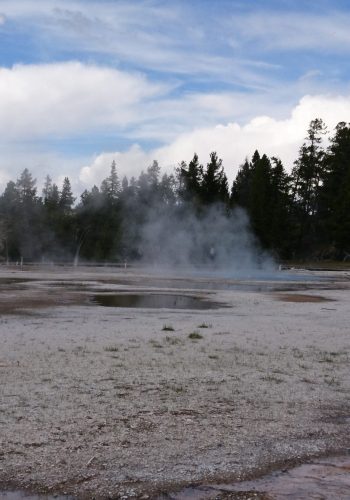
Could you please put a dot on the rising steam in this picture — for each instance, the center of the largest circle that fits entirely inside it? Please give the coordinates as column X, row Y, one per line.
column 210, row 240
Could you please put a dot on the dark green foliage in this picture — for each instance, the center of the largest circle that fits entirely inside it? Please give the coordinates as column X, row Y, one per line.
column 307, row 176
column 240, row 193
column 335, row 195
column 260, row 200
column 22, row 218
column 214, row 186
column 66, row 199
column 305, row 214
column 281, row 225
column 110, row 186
column 190, row 180
column 195, row 336
column 262, row 188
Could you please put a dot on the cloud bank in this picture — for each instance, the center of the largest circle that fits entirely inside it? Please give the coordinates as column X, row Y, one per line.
column 68, row 98
column 232, row 141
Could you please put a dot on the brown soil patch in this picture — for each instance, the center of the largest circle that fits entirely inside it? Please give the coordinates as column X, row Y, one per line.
column 27, row 301
column 301, row 297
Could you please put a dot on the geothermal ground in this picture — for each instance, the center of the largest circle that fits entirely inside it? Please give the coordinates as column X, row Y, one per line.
column 100, row 401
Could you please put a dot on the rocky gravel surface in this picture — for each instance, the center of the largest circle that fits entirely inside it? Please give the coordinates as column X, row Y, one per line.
column 106, row 402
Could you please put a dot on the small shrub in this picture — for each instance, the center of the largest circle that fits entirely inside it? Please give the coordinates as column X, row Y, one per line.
column 271, row 378
column 195, row 336
column 168, row 328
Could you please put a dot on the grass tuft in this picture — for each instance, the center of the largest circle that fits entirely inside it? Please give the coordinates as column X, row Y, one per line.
column 195, row 336
column 111, row 348
column 168, row 328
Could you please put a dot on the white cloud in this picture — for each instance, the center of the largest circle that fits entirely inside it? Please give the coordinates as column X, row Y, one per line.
column 130, row 163
column 233, row 142
column 68, row 98
column 63, row 100
column 2, row 19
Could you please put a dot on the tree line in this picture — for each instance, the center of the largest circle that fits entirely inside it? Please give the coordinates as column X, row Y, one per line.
column 304, row 214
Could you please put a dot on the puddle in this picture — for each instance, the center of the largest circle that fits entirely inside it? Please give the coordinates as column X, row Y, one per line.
column 10, row 281
column 273, row 283
column 323, row 479
column 154, row 301
column 22, row 495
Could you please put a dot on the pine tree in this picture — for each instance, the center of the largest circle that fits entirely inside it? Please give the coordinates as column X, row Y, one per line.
column 240, row 192
column 66, row 199
column 281, row 234
column 335, row 205
column 260, row 206
column 309, row 168
column 214, row 187
column 10, row 214
column 190, row 178
column 26, row 187
column 47, row 189
column 110, row 186
column 28, row 224
column 307, row 176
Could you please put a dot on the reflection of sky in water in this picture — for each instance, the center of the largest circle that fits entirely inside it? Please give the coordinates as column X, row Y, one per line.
column 154, row 301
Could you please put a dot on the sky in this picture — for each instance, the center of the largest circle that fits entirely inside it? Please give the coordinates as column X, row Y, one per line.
column 86, row 82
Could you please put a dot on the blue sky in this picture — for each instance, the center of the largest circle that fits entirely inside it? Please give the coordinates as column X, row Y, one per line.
column 84, row 82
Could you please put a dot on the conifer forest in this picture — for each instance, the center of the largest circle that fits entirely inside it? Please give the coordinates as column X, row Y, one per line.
column 304, row 214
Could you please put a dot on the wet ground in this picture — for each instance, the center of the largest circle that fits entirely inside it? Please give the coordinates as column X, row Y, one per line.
column 22, row 495
column 323, row 479
column 130, row 292
column 154, row 301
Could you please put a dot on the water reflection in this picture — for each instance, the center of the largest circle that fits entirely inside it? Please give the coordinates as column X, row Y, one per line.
column 154, row 301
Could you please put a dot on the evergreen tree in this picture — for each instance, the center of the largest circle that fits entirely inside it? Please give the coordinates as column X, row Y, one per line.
column 214, row 187
column 307, row 176
column 28, row 225
column 10, row 215
column 281, row 224
column 110, row 186
column 335, row 206
column 262, row 188
column 190, row 179
column 26, row 187
column 260, row 201
column 240, row 192
column 66, row 199
column 47, row 189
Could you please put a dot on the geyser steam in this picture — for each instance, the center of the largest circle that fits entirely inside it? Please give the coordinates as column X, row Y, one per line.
column 210, row 239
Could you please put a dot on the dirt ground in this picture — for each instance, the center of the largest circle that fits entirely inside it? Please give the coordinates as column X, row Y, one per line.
column 108, row 402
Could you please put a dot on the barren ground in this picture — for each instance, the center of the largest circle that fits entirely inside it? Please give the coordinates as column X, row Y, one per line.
column 106, row 402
